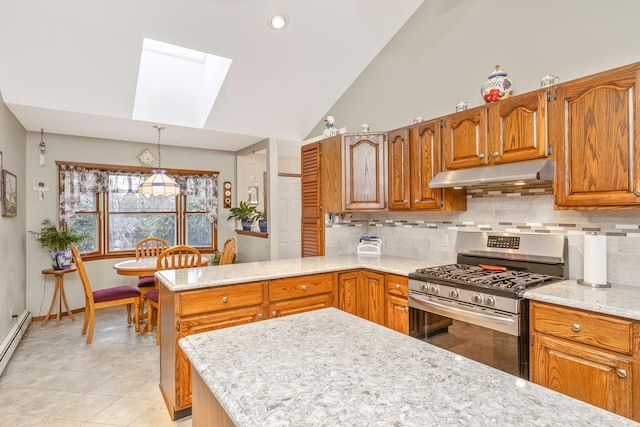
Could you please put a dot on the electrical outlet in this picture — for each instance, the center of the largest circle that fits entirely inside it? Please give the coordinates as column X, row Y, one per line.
column 444, row 239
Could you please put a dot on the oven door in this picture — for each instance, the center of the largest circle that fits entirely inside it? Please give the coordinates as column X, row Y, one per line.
column 490, row 337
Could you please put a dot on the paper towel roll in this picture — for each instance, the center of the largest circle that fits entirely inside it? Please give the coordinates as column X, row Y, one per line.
column 595, row 259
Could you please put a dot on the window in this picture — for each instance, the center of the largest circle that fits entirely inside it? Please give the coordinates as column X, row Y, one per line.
column 103, row 202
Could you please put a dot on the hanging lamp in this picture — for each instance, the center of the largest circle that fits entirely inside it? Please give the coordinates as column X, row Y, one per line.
column 159, row 183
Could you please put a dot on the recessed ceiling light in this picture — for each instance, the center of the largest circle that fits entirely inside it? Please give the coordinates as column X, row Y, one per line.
column 278, row 21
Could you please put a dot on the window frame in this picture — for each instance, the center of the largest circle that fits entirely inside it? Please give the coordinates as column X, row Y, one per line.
column 102, row 206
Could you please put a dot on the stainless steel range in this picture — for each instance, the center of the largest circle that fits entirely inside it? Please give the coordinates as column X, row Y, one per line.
column 475, row 307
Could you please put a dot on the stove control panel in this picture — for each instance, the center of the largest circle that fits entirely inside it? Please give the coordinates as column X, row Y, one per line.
column 503, row 242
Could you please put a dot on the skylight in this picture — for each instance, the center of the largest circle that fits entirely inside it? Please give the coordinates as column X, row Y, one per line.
column 177, row 85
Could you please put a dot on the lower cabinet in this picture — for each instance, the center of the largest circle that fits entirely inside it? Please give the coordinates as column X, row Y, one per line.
column 397, row 303
column 190, row 312
column 362, row 293
column 589, row 356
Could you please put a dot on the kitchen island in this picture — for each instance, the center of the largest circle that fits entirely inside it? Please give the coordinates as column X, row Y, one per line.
column 327, row 367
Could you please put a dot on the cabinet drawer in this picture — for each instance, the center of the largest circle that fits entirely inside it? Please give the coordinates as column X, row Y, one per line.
column 295, row 287
column 607, row 332
column 397, row 285
column 300, row 305
column 220, row 298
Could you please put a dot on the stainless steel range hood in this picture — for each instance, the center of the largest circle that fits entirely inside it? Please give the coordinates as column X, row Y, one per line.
column 507, row 174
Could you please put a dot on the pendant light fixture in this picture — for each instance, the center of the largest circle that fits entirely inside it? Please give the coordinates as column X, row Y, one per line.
column 159, row 183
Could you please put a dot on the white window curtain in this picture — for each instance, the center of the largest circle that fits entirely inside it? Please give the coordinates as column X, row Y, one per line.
column 77, row 181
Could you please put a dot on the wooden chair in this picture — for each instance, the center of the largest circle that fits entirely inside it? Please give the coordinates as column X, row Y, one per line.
column 148, row 248
column 173, row 258
column 110, row 297
column 228, row 251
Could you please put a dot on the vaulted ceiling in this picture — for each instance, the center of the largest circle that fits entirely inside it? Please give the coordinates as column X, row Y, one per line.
column 71, row 66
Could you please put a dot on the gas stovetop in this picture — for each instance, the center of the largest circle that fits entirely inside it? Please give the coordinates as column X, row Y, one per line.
column 492, row 277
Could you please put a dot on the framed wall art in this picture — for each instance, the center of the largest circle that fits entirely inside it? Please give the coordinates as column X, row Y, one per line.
column 9, row 194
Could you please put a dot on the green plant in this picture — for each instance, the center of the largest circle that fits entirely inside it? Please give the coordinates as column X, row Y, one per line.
column 260, row 215
column 52, row 238
column 243, row 211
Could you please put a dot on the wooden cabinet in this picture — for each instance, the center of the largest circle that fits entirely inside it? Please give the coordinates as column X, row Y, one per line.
column 512, row 130
column 397, row 303
column 194, row 311
column 414, row 159
column 294, row 295
column 362, row 293
column 595, row 125
column 591, row 357
column 364, row 171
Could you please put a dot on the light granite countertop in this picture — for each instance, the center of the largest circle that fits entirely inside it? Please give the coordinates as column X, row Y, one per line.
column 204, row 277
column 330, row 368
column 618, row 300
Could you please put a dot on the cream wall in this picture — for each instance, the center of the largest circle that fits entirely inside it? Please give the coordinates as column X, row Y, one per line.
column 446, row 50
column 93, row 150
column 12, row 236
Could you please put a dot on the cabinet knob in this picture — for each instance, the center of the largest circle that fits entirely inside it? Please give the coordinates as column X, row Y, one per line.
column 225, row 299
column 415, row 200
column 481, row 155
column 348, row 202
column 397, row 286
column 637, row 191
column 274, row 313
column 496, row 154
column 621, row 373
column 404, row 201
column 406, row 309
column 575, row 327
column 260, row 316
column 304, row 287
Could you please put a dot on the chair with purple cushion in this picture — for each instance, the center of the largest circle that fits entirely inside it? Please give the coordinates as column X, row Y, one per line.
column 174, row 258
column 148, row 248
column 110, row 297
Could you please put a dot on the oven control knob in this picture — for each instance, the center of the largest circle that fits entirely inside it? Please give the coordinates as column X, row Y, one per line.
column 490, row 301
column 434, row 289
column 453, row 293
column 477, row 298
column 424, row 287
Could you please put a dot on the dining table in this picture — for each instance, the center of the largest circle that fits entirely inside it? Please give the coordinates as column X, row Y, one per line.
column 144, row 267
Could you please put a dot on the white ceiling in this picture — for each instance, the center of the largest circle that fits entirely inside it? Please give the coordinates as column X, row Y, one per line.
column 71, row 66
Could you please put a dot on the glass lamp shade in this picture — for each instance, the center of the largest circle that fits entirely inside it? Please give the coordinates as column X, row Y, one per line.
column 159, row 184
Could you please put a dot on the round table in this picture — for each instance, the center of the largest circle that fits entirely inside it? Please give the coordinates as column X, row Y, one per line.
column 58, row 293
column 144, row 267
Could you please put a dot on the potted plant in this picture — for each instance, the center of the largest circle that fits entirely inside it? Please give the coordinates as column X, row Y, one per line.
column 244, row 212
column 58, row 242
column 261, row 217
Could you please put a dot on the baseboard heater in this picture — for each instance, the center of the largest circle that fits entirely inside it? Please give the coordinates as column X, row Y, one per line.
column 12, row 340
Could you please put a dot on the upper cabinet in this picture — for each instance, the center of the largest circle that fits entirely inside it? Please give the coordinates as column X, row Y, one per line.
column 364, row 171
column 595, row 125
column 414, row 159
column 510, row 130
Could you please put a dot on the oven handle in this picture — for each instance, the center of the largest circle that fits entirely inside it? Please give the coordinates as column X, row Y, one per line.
column 500, row 323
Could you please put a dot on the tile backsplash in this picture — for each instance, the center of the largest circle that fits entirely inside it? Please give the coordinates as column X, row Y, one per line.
column 431, row 235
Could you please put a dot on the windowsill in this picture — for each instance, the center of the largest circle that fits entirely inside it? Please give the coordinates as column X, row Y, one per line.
column 253, row 233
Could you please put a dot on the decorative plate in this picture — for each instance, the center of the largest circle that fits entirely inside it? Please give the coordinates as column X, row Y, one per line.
column 146, row 158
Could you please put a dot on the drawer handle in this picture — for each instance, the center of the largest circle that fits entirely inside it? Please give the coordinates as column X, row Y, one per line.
column 260, row 315
column 304, row 287
column 397, row 286
column 621, row 373
column 225, row 299
column 274, row 313
column 575, row 327
column 406, row 309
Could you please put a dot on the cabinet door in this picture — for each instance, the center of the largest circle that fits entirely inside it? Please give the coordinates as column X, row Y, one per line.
column 398, row 314
column 595, row 124
column 374, row 284
column 348, row 293
column 518, row 128
column 312, row 241
column 300, row 305
column 464, row 139
column 204, row 323
column 399, row 176
column 364, row 186
column 600, row 378
column 425, row 164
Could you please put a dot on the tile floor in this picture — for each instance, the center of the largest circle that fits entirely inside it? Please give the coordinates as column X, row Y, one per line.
column 55, row 379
